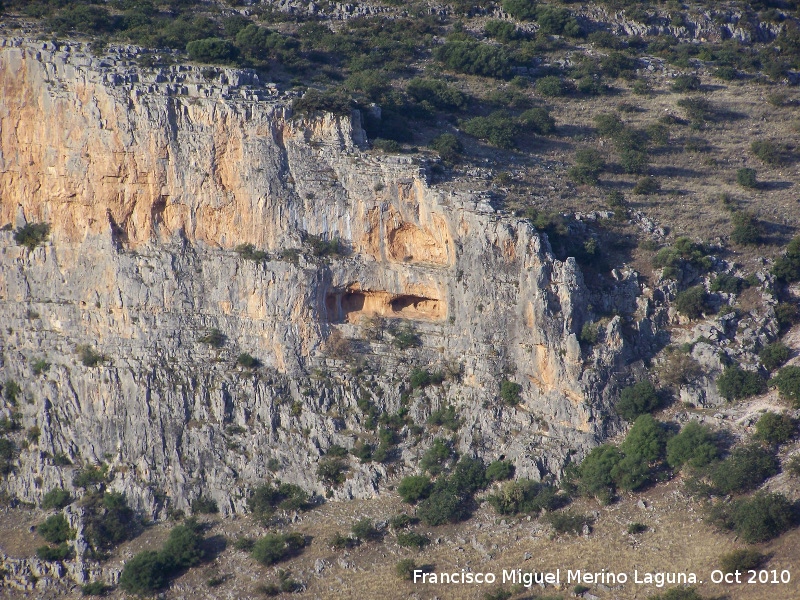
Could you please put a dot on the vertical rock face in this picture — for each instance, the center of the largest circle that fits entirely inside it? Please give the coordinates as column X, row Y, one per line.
column 149, row 180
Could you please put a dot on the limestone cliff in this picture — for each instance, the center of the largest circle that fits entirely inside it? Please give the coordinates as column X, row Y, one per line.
column 150, row 179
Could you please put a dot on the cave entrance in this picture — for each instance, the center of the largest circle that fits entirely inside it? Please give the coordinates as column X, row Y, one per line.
column 352, row 305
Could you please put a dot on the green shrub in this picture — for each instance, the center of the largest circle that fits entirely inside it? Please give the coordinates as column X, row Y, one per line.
column 747, row 178
column 692, row 302
column 768, row 152
column 340, row 542
column 436, row 93
column 32, row 234
column 40, row 366
column 737, row 384
column 469, row 475
column 498, row 129
column 776, row 429
column 56, row 498
column 525, row 496
column 89, row 476
column 144, row 574
column 212, row 50
column 680, row 369
column 414, row 488
column 405, row 568
column 699, row 110
column 551, row 86
column 266, row 499
column 595, row 473
column 249, row 252
column 683, row 251
column 50, row 554
column 787, row 314
column 8, row 452
column 313, row 101
column 637, row 400
column 412, row 540
column 183, row 548
column 774, row 355
column 331, row 471
column 646, row 186
column 787, row 381
column 695, row 446
column 568, row 522
column 405, row 337
column 758, row 519
column 645, row 444
column 275, row 547
column 474, row 58
column 95, row 588
column 499, row 470
column 89, row 357
column 203, row 505
column 400, row 521
column 421, row 378
column 537, row 120
column 686, row 83
column 502, row 31
column 365, row 531
column 510, row 392
column 634, row 528
column 524, row 10
column 445, row 417
column 448, row 146
column 436, row 457
column 746, row 229
column 248, row 361
column 444, row 505
column 11, row 391
column 793, row 466
column 745, row 469
column 730, row 284
column 213, row 337
column 608, row 124
column 55, row 529
column 108, row 520
column 589, row 163
column 741, row 560
column 787, row 267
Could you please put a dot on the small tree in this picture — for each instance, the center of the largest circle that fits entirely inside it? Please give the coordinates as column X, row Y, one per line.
column 144, row 574
column 637, row 400
column 741, row 560
column 56, row 529
column 499, row 470
column 788, row 382
column 774, row 355
column 745, row 469
column 776, row 429
column 692, row 302
column 510, row 392
column 737, row 384
column 747, row 178
column 414, row 488
column 32, row 234
column 695, row 445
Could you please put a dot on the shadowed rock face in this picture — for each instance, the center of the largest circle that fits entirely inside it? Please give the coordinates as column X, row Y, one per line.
column 150, row 180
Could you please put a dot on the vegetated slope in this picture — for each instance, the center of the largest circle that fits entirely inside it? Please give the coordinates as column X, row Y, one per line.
column 431, row 319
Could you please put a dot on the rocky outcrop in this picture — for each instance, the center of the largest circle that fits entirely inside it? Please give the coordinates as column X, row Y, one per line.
column 150, row 179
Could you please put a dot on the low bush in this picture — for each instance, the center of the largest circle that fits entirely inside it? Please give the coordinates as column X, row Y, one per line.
column 56, row 498
column 448, row 146
column 144, row 574
column 775, row 429
column 89, row 357
column 32, row 234
column 551, row 86
column 203, row 505
column 183, row 548
column 469, row 475
column 647, row 186
column 695, row 445
column 774, row 355
column 405, row 568
column 595, row 473
column 474, row 58
column 95, row 588
column 692, row 302
column 212, row 50
column 760, row 518
column 686, row 83
column 589, row 163
column 365, row 530
column 276, row 547
column 526, row 496
column 737, row 384
column 769, row 152
column 741, row 560
column 414, row 488
column 249, row 252
column 437, row 93
column 421, row 378
column 331, row 471
column 729, row 284
column 247, row 361
column 635, row 528
column 52, row 554
column 268, row 498
column 213, row 337
column 341, row 542
column 108, row 520
column 787, row 267
column 444, row 505
column 499, row 470
column 510, row 392
column 747, row 178
column 445, row 417
column 636, row 400
column 745, row 469
column 436, row 457
column 682, row 252
column 747, row 230
column 411, row 539
column 55, row 529
column 787, row 380
column 568, row 522
column 537, row 120
column 499, row 129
